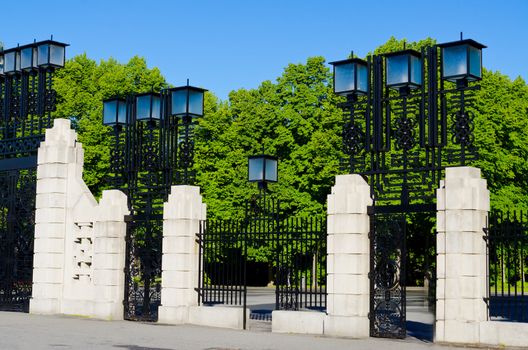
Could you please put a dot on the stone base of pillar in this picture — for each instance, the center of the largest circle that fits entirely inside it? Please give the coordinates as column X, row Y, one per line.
column 347, row 326
column 106, row 310
column 173, row 314
column 44, row 306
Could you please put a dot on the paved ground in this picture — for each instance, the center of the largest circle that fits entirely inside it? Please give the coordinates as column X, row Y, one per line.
column 24, row 331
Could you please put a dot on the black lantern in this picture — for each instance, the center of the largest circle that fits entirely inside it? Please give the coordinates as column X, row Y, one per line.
column 187, row 101
column 404, row 69
column 262, row 169
column 350, row 77
column 462, row 60
column 114, row 112
column 51, row 54
column 148, row 107
column 28, row 57
column 12, row 61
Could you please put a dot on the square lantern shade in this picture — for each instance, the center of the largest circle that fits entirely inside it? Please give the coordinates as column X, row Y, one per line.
column 114, row 112
column 148, row 107
column 262, row 168
column 404, row 69
column 11, row 61
column 187, row 101
column 462, row 60
column 51, row 54
column 28, row 58
column 350, row 77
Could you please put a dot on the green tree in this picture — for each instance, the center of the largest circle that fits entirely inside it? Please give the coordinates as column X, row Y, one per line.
column 295, row 118
column 82, row 86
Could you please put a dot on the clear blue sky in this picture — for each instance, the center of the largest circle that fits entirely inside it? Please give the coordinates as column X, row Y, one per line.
column 223, row 45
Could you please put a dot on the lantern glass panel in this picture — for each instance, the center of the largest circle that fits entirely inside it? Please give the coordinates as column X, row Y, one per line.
column 179, row 102
column 271, row 170
column 362, row 78
column 344, row 78
column 148, row 107
column 43, row 54
column 28, row 58
column 416, row 70
column 10, row 62
column 56, row 55
column 256, row 169
column 475, row 61
column 196, row 102
column 397, row 70
column 121, row 112
column 110, row 112
column 455, row 60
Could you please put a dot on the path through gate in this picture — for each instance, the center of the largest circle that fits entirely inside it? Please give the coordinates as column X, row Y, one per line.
column 293, row 248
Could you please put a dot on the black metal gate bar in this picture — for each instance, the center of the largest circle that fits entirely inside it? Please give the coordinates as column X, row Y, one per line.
column 17, row 220
column 301, row 279
column 294, row 249
column 387, row 274
column 143, row 268
column 507, row 241
column 222, row 252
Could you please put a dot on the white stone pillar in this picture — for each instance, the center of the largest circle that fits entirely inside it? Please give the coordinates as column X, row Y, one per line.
column 55, row 155
column 109, row 256
column 181, row 222
column 79, row 244
column 348, row 260
column 463, row 205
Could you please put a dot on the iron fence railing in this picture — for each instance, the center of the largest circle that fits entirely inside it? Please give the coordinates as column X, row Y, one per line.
column 507, row 241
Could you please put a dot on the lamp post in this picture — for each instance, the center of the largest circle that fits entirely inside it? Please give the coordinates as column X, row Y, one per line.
column 27, row 100
column 27, row 94
column 153, row 149
column 409, row 116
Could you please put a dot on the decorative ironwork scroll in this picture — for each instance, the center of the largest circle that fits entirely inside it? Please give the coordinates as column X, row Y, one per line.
column 387, row 287
column 403, row 141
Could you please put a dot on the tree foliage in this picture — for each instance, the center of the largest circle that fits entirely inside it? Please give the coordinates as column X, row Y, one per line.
column 295, row 118
column 82, row 86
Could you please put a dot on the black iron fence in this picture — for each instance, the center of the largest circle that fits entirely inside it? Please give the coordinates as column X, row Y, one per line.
column 258, row 251
column 507, row 240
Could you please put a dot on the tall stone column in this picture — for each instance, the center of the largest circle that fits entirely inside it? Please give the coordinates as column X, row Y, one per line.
column 181, row 222
column 348, row 259
column 79, row 244
column 55, row 156
column 463, row 205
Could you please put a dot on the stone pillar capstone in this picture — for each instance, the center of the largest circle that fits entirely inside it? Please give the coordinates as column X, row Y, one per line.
column 463, row 204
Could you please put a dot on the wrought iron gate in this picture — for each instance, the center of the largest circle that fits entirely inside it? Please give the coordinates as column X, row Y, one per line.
column 17, row 226
column 387, row 276
column 143, row 269
column 27, row 99
column 294, row 249
column 507, row 243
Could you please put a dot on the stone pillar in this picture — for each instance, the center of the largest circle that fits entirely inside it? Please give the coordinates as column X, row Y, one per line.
column 463, row 205
column 348, row 260
column 55, row 155
column 181, row 222
column 109, row 256
column 79, row 244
